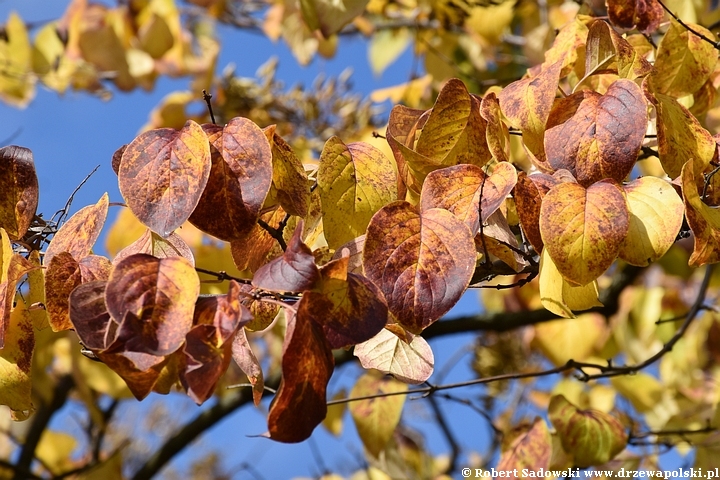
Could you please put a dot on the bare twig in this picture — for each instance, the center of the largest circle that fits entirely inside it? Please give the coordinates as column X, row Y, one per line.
column 715, row 44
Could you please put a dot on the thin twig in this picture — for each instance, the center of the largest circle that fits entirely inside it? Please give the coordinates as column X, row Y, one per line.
column 207, row 97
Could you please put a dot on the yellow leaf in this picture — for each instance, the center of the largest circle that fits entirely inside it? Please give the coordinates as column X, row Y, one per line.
column 17, row 83
column 355, row 181
column 376, row 418
column 49, row 60
column 55, row 450
column 334, row 419
column 501, row 14
column 576, row 339
column 386, row 46
column 684, row 61
column 644, row 391
column 656, row 215
column 16, row 360
column 559, row 296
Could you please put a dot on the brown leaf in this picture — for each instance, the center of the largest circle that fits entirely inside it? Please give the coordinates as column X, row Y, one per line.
column 62, row 276
column 606, row 49
column 349, row 307
column 78, row 235
column 422, row 262
column 593, row 144
column 239, row 180
column 94, row 267
column 531, row 448
column 163, row 173
column 496, row 133
column 646, row 15
column 257, row 247
column 307, row 364
column 89, row 316
column 295, row 271
column 529, row 192
column 19, row 187
column 140, row 371
column 153, row 301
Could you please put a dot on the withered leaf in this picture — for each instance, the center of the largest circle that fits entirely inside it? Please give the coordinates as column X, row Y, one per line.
column 422, row 262
column 307, row 364
column 239, row 180
column 153, row 300
column 646, row 15
column 295, row 271
column 249, row 364
column 78, row 235
column 19, row 187
column 163, row 173
column 593, row 144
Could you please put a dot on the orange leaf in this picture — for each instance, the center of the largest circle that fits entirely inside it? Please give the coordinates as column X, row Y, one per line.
column 19, row 184
column 78, row 235
column 163, row 173
column 62, row 276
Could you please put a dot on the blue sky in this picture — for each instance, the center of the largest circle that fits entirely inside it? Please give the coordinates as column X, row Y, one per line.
column 71, row 134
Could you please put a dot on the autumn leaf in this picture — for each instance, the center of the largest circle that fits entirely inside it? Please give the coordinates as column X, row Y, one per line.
column 330, row 16
column 591, row 436
column 684, row 61
column 530, row 448
column 355, row 181
column 680, row 135
column 646, row 15
column 153, row 300
column 376, row 418
column 607, row 50
column 307, row 364
column 294, row 271
column 411, row 362
column 249, row 364
column 289, row 180
column 16, row 361
column 467, row 192
column 656, row 215
column 62, row 276
column 703, row 220
column 17, row 84
column 12, row 267
column 349, row 307
column 422, row 262
column 591, row 144
column 239, row 179
column 89, row 316
column 527, row 103
column 163, row 173
column 19, row 184
column 583, row 229
column 78, row 235
column 153, row 244
column 560, row 296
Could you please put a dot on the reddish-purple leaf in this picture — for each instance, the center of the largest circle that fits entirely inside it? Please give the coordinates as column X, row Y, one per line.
column 295, row 271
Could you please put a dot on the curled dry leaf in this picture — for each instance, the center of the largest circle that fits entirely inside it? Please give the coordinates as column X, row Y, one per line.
column 163, row 173
column 19, row 184
column 247, row 361
column 78, row 235
column 422, row 262
column 411, row 362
